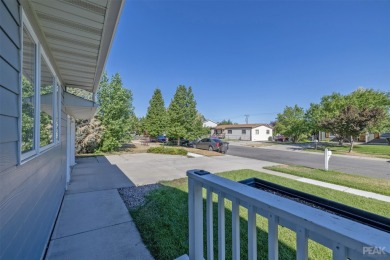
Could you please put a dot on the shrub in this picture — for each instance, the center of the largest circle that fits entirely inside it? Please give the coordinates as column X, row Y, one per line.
column 165, row 150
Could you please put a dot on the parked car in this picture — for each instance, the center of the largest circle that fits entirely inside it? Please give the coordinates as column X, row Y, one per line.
column 188, row 143
column 160, row 139
column 280, row 138
column 212, row 144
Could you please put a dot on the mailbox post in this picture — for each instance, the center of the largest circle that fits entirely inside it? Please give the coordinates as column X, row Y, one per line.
column 328, row 153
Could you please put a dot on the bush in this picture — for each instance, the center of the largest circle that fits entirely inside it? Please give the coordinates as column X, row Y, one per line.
column 88, row 135
column 165, row 150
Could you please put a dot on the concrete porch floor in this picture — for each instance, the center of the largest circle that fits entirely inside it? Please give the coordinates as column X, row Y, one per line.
column 93, row 222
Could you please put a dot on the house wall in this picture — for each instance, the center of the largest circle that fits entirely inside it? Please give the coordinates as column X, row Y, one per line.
column 262, row 136
column 209, row 124
column 30, row 192
column 237, row 134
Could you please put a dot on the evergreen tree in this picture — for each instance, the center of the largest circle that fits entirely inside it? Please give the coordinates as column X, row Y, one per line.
column 156, row 117
column 194, row 123
column 183, row 117
column 177, row 113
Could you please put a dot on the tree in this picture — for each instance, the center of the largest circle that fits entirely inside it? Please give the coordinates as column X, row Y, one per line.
column 352, row 121
column 312, row 119
column 89, row 134
column 184, row 120
column 333, row 113
column 177, row 114
column 225, row 122
column 156, row 117
column 292, row 123
column 80, row 93
column 115, row 112
column 139, row 125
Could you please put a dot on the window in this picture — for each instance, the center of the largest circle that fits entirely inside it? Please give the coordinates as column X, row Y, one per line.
column 47, row 100
column 257, row 131
column 58, row 127
column 28, row 92
column 229, row 131
column 39, row 98
column 243, row 132
column 267, row 131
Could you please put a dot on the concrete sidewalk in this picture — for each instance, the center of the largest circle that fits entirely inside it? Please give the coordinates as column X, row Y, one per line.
column 93, row 222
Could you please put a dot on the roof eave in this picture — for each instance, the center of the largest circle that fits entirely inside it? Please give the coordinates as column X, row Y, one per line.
column 111, row 22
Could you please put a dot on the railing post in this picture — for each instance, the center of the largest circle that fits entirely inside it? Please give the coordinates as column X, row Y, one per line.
column 195, row 214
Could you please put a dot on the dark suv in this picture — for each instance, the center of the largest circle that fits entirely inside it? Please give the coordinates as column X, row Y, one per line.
column 212, row 144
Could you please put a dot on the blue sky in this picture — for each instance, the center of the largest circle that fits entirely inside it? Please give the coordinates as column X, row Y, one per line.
column 251, row 57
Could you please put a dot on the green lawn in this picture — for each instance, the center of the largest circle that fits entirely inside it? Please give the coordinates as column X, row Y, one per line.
column 380, row 151
column 163, row 220
column 380, row 186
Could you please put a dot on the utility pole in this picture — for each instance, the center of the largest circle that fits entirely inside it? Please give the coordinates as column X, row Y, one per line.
column 246, row 118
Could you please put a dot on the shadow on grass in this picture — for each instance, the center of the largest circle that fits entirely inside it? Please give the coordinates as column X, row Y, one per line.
column 163, row 224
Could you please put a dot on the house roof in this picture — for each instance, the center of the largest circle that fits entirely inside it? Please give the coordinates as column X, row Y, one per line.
column 241, row 126
column 79, row 36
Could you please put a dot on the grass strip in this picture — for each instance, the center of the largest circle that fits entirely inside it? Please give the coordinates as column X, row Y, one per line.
column 163, row 220
column 380, row 151
column 375, row 185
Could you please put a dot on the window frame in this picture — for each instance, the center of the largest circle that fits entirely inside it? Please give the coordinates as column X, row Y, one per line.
column 54, row 110
column 230, row 131
column 257, row 131
column 243, row 131
column 25, row 155
column 39, row 53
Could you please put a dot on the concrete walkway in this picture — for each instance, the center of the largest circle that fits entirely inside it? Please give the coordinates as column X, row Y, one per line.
column 93, row 222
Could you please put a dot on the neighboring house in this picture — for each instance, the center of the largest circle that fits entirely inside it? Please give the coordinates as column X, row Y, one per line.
column 245, row 132
column 209, row 123
column 367, row 137
column 45, row 47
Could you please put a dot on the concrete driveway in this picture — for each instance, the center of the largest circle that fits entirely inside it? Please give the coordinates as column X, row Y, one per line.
column 146, row 168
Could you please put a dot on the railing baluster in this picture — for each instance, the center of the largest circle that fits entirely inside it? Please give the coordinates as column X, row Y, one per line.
column 302, row 244
column 221, row 227
column 209, row 220
column 273, row 251
column 252, row 236
column 195, row 212
column 235, row 229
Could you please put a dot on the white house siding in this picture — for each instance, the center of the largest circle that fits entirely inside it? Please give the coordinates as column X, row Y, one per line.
column 236, row 134
column 31, row 192
column 262, row 135
column 209, row 123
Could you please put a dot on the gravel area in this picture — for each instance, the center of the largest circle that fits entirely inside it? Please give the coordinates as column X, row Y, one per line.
column 135, row 196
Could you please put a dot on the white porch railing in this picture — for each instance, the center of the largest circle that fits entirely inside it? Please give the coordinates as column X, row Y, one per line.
column 346, row 238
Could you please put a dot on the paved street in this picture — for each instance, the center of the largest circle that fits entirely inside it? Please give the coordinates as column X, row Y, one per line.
column 379, row 168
